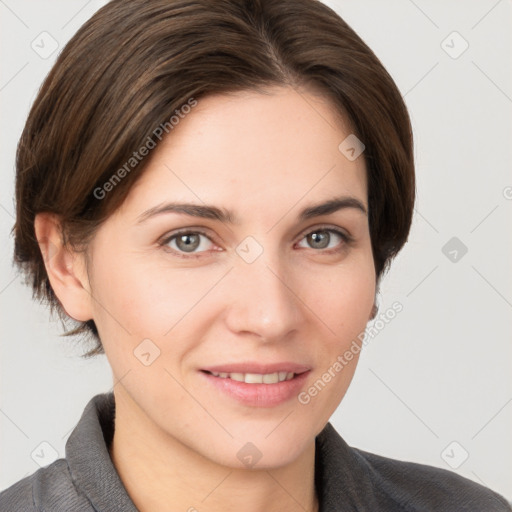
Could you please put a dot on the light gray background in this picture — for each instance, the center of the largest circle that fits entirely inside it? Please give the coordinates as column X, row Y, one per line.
column 440, row 371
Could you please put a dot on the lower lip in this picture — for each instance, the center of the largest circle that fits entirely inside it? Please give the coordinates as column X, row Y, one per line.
column 259, row 395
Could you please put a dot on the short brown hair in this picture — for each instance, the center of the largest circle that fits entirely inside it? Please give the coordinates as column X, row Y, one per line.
column 135, row 62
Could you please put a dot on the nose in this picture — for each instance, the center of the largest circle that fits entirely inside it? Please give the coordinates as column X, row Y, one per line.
column 263, row 301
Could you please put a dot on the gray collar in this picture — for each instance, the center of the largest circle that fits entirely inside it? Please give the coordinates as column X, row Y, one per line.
column 89, row 461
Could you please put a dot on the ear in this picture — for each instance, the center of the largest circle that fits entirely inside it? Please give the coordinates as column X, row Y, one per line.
column 66, row 269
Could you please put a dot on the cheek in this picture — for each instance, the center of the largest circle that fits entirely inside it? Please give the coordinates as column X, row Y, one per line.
column 344, row 299
column 343, row 305
column 139, row 298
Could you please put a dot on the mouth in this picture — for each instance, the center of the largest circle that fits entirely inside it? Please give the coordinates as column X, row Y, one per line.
column 261, row 387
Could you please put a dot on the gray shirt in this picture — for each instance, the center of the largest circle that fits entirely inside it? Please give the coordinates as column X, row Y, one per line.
column 346, row 478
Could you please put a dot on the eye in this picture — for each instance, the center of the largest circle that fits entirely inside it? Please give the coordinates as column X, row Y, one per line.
column 327, row 238
column 190, row 243
column 187, row 242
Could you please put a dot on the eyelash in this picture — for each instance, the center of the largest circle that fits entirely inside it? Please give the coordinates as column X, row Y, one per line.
column 347, row 240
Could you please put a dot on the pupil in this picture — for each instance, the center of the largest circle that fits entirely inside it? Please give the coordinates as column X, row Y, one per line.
column 184, row 242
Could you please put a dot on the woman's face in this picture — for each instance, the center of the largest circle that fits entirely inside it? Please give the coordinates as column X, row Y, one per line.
column 275, row 286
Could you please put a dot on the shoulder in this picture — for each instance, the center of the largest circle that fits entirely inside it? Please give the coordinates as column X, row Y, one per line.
column 367, row 481
column 423, row 487
column 49, row 488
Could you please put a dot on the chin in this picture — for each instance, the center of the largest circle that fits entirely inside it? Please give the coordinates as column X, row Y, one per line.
column 257, row 452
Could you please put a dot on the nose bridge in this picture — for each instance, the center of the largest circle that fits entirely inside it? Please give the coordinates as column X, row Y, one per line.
column 263, row 302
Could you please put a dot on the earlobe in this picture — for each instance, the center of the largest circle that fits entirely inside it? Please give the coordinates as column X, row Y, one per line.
column 66, row 269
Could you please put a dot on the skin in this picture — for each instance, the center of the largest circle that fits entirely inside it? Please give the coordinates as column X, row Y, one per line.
column 265, row 158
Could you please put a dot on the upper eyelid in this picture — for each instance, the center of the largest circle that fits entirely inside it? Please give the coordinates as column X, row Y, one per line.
column 324, row 227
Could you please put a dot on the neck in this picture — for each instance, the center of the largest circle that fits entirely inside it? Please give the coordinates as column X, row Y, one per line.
column 161, row 474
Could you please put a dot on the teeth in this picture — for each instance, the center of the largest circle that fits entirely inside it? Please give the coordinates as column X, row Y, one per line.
column 256, row 378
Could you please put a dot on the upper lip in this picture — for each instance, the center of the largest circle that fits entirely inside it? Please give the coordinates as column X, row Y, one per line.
column 259, row 368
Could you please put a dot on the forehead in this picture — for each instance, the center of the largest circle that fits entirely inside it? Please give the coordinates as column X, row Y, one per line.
column 261, row 153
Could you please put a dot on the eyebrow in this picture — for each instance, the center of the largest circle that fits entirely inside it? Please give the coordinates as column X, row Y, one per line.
column 226, row 216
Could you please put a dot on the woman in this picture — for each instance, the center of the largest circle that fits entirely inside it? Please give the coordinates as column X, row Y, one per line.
column 212, row 191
